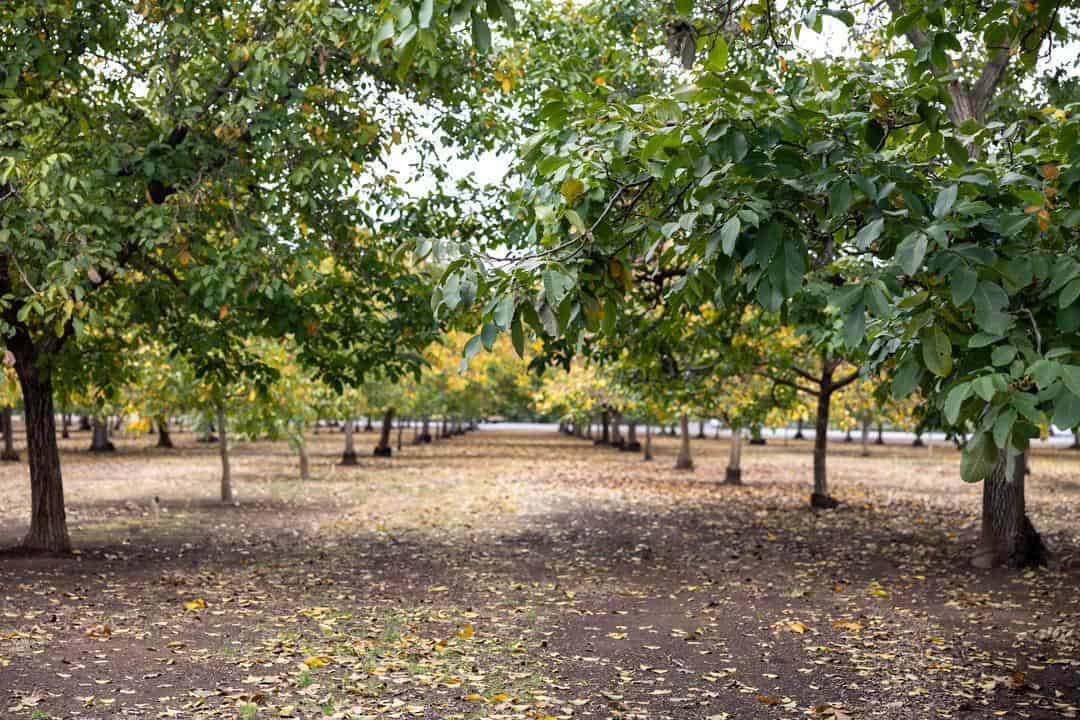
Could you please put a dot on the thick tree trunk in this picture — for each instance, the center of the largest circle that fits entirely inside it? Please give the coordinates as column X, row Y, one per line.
column 684, row 461
column 118, row 423
column 383, row 449
column 305, row 461
column 84, row 423
column 867, row 421
column 99, row 439
column 368, row 427
column 8, row 454
column 349, row 456
column 164, row 440
column 425, row 430
column 48, row 521
column 223, row 449
column 733, row 474
column 65, row 425
column 820, row 497
column 701, row 429
column 1008, row 537
column 632, row 444
column 648, row 442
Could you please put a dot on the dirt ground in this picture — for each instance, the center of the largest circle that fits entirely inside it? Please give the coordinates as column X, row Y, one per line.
column 513, row 575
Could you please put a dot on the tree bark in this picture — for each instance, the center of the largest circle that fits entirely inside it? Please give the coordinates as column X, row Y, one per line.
column 99, row 439
column 632, row 444
column 48, row 521
column 305, row 461
column 648, row 442
column 684, row 461
column 400, row 430
column 1008, row 538
column 799, row 430
column 383, row 449
column 425, row 431
column 349, row 456
column 733, row 474
column 164, row 440
column 223, row 448
column 701, row 430
column 8, row 454
column 368, row 427
column 880, row 433
column 867, row 421
column 84, row 423
column 820, row 497
column 616, row 433
column 605, row 429
column 65, row 425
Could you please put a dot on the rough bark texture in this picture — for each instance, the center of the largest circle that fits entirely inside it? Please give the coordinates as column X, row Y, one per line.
column 733, row 474
column 164, row 440
column 349, row 456
column 605, row 429
column 632, row 444
column 48, row 521
column 684, row 461
column 8, row 454
column 99, row 438
column 223, row 449
column 1008, row 537
column 383, row 449
column 616, row 430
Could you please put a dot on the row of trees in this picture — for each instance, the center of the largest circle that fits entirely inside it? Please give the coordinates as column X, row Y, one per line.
column 702, row 205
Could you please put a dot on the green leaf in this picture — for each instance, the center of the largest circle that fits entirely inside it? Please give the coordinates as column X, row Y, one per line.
column 945, row 201
column 911, row 251
column 1069, row 294
column 936, row 351
column 1003, row 355
column 718, row 55
column 427, row 9
column 517, row 336
column 684, row 7
column 1067, row 410
column 869, row 233
column 964, row 280
column 978, row 458
column 855, row 326
column 989, row 300
column 504, row 312
column 729, row 234
column 839, row 198
column 556, row 285
column 473, row 346
column 1070, row 374
column 488, row 334
column 481, row 33
column 955, row 399
column 1003, row 425
column 906, row 378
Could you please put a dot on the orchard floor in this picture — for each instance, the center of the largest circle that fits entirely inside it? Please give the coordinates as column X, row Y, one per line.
column 529, row 575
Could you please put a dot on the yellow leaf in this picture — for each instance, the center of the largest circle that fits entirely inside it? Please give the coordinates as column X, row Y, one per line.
column 317, row 661
column 499, row 697
column 196, row 604
column 571, row 189
column 473, row 697
column 796, row 627
column 466, row 632
column 1051, row 172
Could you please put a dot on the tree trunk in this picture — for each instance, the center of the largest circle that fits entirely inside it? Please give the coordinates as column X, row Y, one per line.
column 616, row 433
column 305, row 461
column 684, row 461
column 9, row 454
column 756, row 438
column 701, row 429
column 84, row 423
column 648, row 442
column 368, row 427
column 400, row 430
column 164, row 440
column 1076, row 441
column 99, row 439
column 820, row 497
column 65, row 425
column 880, row 433
column 632, row 444
column 118, row 423
column 733, row 474
column 918, row 441
column 867, row 421
column 847, row 436
column 588, row 429
column 48, row 521
column 799, row 430
column 605, row 429
column 425, row 430
column 383, row 449
column 1008, row 537
column 349, row 456
column 223, row 448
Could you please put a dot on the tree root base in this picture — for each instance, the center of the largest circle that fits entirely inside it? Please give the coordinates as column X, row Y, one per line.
column 823, row 502
column 349, row 458
column 9, row 456
column 631, row 447
column 383, row 451
column 733, row 476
